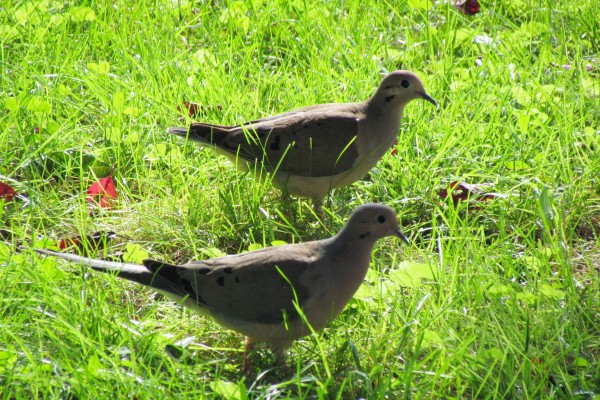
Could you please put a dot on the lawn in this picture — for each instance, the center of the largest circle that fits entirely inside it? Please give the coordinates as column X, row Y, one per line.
column 498, row 294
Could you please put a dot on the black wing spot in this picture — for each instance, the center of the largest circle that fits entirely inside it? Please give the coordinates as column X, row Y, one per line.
column 293, row 132
column 364, row 235
column 275, row 143
column 221, row 281
column 203, row 271
column 237, row 279
column 228, row 270
column 389, row 98
column 319, row 124
column 307, row 126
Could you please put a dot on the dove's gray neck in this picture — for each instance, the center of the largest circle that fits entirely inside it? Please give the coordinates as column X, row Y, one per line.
column 355, row 244
column 384, row 123
column 349, row 253
column 384, row 102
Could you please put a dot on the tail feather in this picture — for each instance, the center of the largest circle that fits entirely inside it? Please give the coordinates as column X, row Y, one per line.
column 132, row 272
column 163, row 278
column 99, row 265
column 198, row 133
column 205, row 134
column 182, row 132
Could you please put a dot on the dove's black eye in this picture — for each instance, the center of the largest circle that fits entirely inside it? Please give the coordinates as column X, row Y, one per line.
column 405, row 83
column 381, row 219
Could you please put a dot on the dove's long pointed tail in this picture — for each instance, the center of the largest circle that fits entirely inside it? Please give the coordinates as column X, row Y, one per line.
column 162, row 281
column 182, row 132
column 165, row 282
column 132, row 272
column 205, row 134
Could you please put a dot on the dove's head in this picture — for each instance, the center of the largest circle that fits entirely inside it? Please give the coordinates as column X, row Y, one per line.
column 400, row 87
column 373, row 221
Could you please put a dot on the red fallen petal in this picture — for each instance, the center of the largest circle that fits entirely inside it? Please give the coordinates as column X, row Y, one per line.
column 66, row 243
column 194, row 109
column 104, row 187
column 486, row 197
column 93, row 242
column 105, row 202
column 458, row 190
column 394, row 150
column 463, row 191
column 459, row 196
column 454, row 184
column 102, row 202
column 476, row 190
column 467, row 7
column 472, row 7
column 6, row 192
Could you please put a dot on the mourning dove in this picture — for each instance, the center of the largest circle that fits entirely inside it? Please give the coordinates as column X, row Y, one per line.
column 260, row 293
column 315, row 149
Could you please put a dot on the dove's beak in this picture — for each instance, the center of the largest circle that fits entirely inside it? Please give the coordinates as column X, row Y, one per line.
column 401, row 235
column 428, row 98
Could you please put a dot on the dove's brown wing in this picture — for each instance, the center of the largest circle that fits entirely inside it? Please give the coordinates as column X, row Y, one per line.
column 258, row 287
column 313, row 144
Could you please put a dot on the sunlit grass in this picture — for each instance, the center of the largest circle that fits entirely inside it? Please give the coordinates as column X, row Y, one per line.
column 508, row 306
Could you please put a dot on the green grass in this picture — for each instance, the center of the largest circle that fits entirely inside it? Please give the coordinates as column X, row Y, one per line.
column 509, row 306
